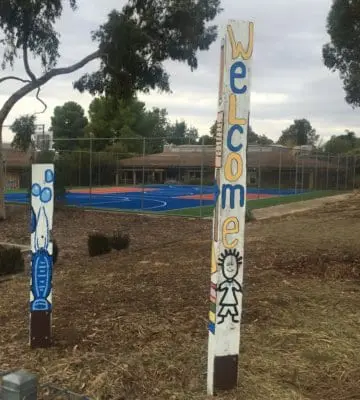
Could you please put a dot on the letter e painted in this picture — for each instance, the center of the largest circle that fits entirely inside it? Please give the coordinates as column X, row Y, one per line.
column 237, row 75
column 230, row 227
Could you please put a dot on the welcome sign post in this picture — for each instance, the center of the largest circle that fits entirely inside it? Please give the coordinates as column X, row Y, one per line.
column 227, row 258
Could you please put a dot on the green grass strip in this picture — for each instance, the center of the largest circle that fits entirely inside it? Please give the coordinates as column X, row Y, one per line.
column 207, row 211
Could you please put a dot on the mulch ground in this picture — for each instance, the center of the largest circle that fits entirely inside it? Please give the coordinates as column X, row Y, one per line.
column 133, row 324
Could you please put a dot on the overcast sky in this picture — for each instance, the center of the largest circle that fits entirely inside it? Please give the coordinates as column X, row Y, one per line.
column 289, row 79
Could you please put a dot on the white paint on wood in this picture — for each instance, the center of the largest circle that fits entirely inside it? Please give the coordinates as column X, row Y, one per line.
column 42, row 210
column 230, row 173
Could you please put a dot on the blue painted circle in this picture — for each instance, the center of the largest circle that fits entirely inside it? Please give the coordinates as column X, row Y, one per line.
column 36, row 190
column 49, row 176
column 45, row 195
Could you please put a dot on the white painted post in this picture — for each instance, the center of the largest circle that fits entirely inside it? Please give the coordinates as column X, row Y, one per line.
column 229, row 216
column 42, row 210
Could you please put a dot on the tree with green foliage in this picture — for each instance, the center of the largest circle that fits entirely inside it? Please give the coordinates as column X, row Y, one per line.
column 342, row 53
column 254, row 138
column 342, row 144
column 179, row 134
column 207, row 140
column 128, row 122
column 298, row 134
column 131, row 45
column 211, row 138
column 213, row 129
column 24, row 128
column 69, row 122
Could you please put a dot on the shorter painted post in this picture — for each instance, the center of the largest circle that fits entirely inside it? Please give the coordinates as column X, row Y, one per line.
column 19, row 385
column 42, row 210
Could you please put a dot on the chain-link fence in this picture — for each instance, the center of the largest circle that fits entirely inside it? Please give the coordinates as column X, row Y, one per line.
column 154, row 176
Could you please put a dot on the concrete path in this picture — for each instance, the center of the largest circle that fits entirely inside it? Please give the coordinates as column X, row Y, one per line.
column 297, row 207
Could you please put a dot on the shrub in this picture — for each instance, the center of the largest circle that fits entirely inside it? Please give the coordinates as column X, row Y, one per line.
column 119, row 241
column 98, row 244
column 11, row 260
column 249, row 215
column 55, row 251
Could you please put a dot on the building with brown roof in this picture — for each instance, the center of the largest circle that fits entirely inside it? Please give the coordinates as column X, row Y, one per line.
column 16, row 166
column 266, row 165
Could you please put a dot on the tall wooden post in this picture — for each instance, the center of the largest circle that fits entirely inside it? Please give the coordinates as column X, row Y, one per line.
column 227, row 260
column 42, row 210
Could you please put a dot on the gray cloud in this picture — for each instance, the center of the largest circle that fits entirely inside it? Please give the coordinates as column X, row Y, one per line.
column 287, row 65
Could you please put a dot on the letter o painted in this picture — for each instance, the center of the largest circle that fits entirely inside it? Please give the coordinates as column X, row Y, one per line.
column 228, row 167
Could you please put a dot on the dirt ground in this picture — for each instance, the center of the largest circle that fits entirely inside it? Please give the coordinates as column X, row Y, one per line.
column 133, row 325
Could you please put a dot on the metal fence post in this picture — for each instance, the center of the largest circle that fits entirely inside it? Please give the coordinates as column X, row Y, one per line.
column 302, row 174
column 99, row 168
column 143, row 174
column 90, row 167
column 19, row 385
column 280, row 162
column 337, row 173
column 346, row 172
column 354, row 176
column 80, row 162
column 259, row 173
column 327, row 172
column 201, row 175
column 296, row 172
column 316, row 173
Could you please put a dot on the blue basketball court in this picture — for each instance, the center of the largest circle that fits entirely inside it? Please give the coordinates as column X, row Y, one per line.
column 154, row 198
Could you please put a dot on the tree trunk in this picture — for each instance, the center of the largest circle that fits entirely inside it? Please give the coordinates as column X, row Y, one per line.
column 2, row 178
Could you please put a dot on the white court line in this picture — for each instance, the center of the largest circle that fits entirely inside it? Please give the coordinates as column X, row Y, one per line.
column 98, row 203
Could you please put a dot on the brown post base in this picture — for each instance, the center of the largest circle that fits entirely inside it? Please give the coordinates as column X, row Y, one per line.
column 40, row 329
column 225, row 372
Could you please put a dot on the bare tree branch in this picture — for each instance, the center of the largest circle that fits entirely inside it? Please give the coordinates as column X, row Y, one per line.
column 32, row 85
column 41, row 101
column 26, row 63
column 14, row 78
column 71, row 68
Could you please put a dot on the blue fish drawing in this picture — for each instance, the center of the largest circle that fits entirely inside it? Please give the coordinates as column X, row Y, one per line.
column 41, row 264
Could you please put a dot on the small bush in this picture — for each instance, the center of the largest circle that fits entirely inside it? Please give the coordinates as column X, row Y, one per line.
column 119, row 241
column 11, row 261
column 98, row 244
column 55, row 252
column 249, row 215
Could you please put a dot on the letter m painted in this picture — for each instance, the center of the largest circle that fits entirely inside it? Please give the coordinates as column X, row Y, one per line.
column 232, row 189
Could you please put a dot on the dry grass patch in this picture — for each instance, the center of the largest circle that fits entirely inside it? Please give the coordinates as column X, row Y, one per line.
column 132, row 325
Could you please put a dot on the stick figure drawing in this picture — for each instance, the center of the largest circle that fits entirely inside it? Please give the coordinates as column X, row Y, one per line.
column 230, row 261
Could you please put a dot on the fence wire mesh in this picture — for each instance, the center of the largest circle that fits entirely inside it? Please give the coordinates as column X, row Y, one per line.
column 149, row 175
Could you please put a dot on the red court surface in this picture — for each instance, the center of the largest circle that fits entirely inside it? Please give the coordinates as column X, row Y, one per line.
column 111, row 190
column 210, row 196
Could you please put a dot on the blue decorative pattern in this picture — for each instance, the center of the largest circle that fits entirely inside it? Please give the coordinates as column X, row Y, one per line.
column 41, row 260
